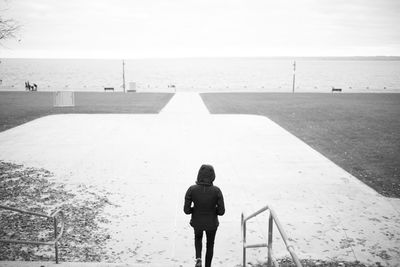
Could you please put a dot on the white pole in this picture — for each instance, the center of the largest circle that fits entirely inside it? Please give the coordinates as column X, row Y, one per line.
column 294, row 75
column 123, row 75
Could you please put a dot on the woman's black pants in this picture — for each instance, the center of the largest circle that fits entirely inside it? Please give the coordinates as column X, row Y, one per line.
column 198, row 238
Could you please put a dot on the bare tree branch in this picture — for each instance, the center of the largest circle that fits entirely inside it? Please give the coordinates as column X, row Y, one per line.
column 8, row 28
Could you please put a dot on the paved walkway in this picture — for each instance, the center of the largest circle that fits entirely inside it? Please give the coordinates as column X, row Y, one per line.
column 147, row 162
column 186, row 104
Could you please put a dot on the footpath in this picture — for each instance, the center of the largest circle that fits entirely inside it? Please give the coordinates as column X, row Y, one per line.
column 146, row 163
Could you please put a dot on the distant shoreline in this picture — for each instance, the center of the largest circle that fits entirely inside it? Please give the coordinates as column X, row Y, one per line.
column 300, row 58
column 389, row 91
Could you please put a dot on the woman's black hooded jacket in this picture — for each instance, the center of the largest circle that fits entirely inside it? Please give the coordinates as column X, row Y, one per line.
column 207, row 199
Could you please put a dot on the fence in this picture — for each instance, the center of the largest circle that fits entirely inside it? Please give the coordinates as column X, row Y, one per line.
column 272, row 218
column 53, row 216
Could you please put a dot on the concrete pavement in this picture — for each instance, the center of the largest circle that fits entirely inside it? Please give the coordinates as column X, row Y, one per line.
column 147, row 162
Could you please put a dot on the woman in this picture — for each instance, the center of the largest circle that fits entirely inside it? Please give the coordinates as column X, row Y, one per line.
column 208, row 203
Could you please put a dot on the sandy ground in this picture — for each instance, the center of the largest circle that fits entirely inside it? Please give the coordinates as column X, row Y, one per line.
column 147, row 162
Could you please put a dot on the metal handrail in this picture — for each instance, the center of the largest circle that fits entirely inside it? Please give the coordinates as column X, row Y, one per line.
column 272, row 218
column 57, row 236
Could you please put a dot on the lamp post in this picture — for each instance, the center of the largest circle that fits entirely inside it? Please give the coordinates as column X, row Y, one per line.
column 123, row 75
column 294, row 75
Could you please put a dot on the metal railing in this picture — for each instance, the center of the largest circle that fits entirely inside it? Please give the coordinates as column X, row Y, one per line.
column 53, row 216
column 272, row 218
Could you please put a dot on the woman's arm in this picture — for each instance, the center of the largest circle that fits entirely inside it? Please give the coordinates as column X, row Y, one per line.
column 187, row 207
column 220, row 204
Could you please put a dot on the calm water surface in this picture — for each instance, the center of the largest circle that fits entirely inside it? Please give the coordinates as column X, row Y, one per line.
column 205, row 75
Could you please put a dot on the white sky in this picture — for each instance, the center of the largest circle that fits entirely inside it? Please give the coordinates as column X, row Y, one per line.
column 197, row 28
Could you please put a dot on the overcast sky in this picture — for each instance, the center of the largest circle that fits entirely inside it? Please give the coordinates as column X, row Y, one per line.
column 197, row 28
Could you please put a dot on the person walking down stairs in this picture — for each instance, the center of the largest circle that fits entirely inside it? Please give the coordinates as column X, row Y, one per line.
column 208, row 204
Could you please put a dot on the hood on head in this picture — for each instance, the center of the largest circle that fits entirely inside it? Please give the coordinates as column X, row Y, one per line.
column 206, row 175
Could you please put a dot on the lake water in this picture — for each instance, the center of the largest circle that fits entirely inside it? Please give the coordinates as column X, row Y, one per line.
column 204, row 75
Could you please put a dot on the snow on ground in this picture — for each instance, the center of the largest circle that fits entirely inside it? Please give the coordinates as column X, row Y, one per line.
column 147, row 162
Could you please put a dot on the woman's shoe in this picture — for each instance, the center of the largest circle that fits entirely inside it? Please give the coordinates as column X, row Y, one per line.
column 198, row 263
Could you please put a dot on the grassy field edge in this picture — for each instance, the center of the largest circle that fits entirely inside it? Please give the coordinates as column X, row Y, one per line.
column 358, row 132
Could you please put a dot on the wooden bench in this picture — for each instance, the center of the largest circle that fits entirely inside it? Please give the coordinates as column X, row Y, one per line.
column 336, row 89
column 108, row 88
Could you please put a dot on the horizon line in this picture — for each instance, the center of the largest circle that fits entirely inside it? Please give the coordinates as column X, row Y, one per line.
column 378, row 57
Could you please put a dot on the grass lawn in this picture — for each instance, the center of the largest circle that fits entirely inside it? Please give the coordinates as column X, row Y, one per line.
column 359, row 132
column 19, row 107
